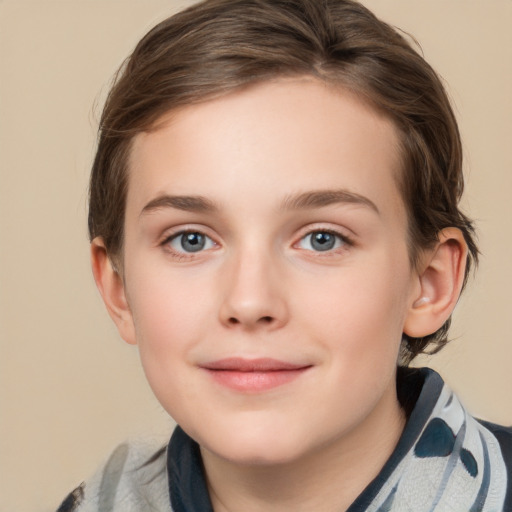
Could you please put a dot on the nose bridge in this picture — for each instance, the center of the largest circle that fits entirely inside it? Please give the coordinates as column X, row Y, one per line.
column 252, row 295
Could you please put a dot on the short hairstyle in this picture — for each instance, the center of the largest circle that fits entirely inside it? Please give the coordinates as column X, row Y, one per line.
column 219, row 46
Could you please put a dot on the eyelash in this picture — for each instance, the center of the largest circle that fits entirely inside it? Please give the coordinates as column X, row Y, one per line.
column 344, row 242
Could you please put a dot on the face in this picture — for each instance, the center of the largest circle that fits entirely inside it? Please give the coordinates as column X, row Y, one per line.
column 266, row 269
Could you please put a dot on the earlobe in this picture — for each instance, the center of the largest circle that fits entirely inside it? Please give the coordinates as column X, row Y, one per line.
column 111, row 287
column 441, row 278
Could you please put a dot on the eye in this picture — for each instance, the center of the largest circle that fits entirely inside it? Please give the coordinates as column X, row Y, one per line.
column 322, row 241
column 190, row 241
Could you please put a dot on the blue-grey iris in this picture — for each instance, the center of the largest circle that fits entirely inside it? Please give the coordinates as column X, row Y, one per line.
column 193, row 242
column 322, row 240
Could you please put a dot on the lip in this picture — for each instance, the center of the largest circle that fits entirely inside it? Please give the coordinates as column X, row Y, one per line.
column 253, row 375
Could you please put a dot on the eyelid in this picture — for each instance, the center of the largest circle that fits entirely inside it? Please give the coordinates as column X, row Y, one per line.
column 175, row 231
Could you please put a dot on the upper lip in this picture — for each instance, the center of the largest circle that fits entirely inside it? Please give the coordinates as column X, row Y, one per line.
column 241, row 364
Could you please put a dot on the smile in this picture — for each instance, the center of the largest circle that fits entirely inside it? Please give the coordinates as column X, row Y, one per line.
column 253, row 375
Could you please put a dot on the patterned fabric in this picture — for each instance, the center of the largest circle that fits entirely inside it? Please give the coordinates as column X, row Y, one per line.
column 445, row 461
column 134, row 479
column 454, row 464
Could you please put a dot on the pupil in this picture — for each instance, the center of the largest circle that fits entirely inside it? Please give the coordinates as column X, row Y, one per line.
column 322, row 241
column 192, row 242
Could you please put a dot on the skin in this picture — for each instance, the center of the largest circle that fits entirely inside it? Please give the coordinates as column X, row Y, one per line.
column 257, row 165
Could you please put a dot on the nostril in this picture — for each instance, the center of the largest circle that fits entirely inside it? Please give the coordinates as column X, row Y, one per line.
column 264, row 319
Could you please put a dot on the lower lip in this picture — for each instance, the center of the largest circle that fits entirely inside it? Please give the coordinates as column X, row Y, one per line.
column 256, row 381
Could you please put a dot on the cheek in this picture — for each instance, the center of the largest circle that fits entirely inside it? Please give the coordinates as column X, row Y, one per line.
column 169, row 323
column 169, row 315
column 358, row 311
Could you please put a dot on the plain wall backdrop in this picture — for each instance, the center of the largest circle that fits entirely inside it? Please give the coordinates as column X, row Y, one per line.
column 70, row 389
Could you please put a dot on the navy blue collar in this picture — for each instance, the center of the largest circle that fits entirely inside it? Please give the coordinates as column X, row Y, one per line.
column 187, row 483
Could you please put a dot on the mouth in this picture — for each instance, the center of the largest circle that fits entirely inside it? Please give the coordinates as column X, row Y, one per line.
column 253, row 375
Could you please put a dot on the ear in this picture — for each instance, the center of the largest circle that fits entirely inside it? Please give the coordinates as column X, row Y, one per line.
column 111, row 287
column 440, row 278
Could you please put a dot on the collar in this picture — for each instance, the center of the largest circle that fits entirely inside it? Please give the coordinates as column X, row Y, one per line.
column 443, row 461
column 187, row 484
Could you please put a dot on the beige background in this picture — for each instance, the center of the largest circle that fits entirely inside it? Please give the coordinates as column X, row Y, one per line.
column 69, row 388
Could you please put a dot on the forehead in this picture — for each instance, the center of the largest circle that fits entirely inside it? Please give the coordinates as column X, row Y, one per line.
column 286, row 136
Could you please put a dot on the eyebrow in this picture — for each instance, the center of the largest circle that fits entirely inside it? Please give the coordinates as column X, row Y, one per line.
column 187, row 203
column 302, row 201
column 320, row 198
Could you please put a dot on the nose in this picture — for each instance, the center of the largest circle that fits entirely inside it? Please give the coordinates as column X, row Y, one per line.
column 254, row 293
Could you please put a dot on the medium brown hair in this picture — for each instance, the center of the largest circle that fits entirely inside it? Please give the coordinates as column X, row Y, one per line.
column 218, row 46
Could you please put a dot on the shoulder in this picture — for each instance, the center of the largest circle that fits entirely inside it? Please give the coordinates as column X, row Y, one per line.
column 133, row 478
column 504, row 437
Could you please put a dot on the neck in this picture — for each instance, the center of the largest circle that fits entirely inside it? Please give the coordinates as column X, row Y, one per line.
column 329, row 479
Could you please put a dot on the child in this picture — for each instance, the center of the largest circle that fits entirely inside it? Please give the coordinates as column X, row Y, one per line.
column 274, row 222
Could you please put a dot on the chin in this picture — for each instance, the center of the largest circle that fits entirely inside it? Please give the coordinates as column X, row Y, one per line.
column 258, row 456
column 256, row 448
